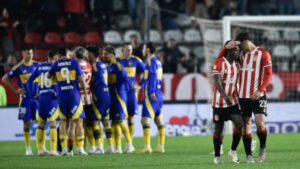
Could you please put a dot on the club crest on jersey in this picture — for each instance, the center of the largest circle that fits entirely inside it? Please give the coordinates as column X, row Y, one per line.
column 25, row 71
column 130, row 63
column 110, row 70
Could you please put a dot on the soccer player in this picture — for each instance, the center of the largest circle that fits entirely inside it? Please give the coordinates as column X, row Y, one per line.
column 93, row 128
column 117, row 81
column 101, row 97
column 153, row 100
column 48, row 104
column 68, row 73
column 132, row 65
column 225, row 102
column 255, row 76
column 26, row 106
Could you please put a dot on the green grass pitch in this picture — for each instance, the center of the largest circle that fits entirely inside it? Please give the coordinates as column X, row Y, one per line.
column 283, row 152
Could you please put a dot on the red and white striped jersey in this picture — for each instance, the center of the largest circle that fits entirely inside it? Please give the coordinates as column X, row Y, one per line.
column 229, row 73
column 253, row 65
column 87, row 71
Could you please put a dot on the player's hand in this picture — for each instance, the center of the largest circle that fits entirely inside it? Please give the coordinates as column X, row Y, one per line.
column 21, row 91
column 228, row 100
column 232, row 44
column 256, row 95
column 153, row 97
column 135, row 86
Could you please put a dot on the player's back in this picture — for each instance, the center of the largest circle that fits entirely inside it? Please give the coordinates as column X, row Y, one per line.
column 67, row 72
column 153, row 75
column 100, row 77
column 87, row 71
column 46, row 86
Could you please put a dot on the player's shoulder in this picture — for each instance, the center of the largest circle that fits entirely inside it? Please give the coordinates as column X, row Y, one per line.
column 219, row 60
column 117, row 65
column 35, row 63
column 18, row 65
column 133, row 57
column 263, row 50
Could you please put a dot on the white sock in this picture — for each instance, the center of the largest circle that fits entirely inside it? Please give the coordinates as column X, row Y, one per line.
column 147, row 146
column 160, row 146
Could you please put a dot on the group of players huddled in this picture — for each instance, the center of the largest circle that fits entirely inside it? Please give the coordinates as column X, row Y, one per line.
column 77, row 89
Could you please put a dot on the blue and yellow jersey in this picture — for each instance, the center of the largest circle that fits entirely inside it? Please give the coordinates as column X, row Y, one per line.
column 22, row 71
column 100, row 76
column 46, row 86
column 66, row 72
column 117, row 78
column 153, row 75
column 133, row 65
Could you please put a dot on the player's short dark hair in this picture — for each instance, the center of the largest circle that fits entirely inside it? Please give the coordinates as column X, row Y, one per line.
column 93, row 49
column 242, row 36
column 27, row 47
column 62, row 51
column 227, row 42
column 52, row 53
column 109, row 49
column 126, row 44
column 80, row 52
column 151, row 47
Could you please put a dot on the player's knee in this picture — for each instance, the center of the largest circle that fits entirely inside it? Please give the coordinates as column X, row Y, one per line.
column 260, row 126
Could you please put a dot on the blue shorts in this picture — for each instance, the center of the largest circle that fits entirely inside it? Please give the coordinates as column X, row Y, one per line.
column 151, row 108
column 48, row 109
column 132, row 103
column 118, row 109
column 70, row 107
column 101, row 106
column 27, row 109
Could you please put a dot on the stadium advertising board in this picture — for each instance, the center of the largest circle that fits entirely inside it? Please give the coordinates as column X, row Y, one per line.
column 180, row 120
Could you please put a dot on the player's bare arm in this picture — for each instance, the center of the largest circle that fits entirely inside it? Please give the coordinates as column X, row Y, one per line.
column 218, row 83
column 83, row 85
column 6, row 81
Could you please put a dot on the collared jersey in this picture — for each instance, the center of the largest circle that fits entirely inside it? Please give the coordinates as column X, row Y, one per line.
column 66, row 72
column 153, row 75
column 22, row 71
column 133, row 65
column 46, row 86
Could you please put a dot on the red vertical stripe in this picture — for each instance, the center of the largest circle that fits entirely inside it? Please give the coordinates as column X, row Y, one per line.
column 246, row 74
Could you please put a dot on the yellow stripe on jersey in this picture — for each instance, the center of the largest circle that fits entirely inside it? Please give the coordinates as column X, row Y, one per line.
column 54, row 115
column 123, row 105
column 38, row 117
column 105, row 76
column 130, row 71
column 95, row 67
column 112, row 78
column 149, row 106
column 78, row 112
column 60, row 78
column 146, row 74
column 159, row 73
column 97, row 112
column 18, row 65
column 24, row 77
